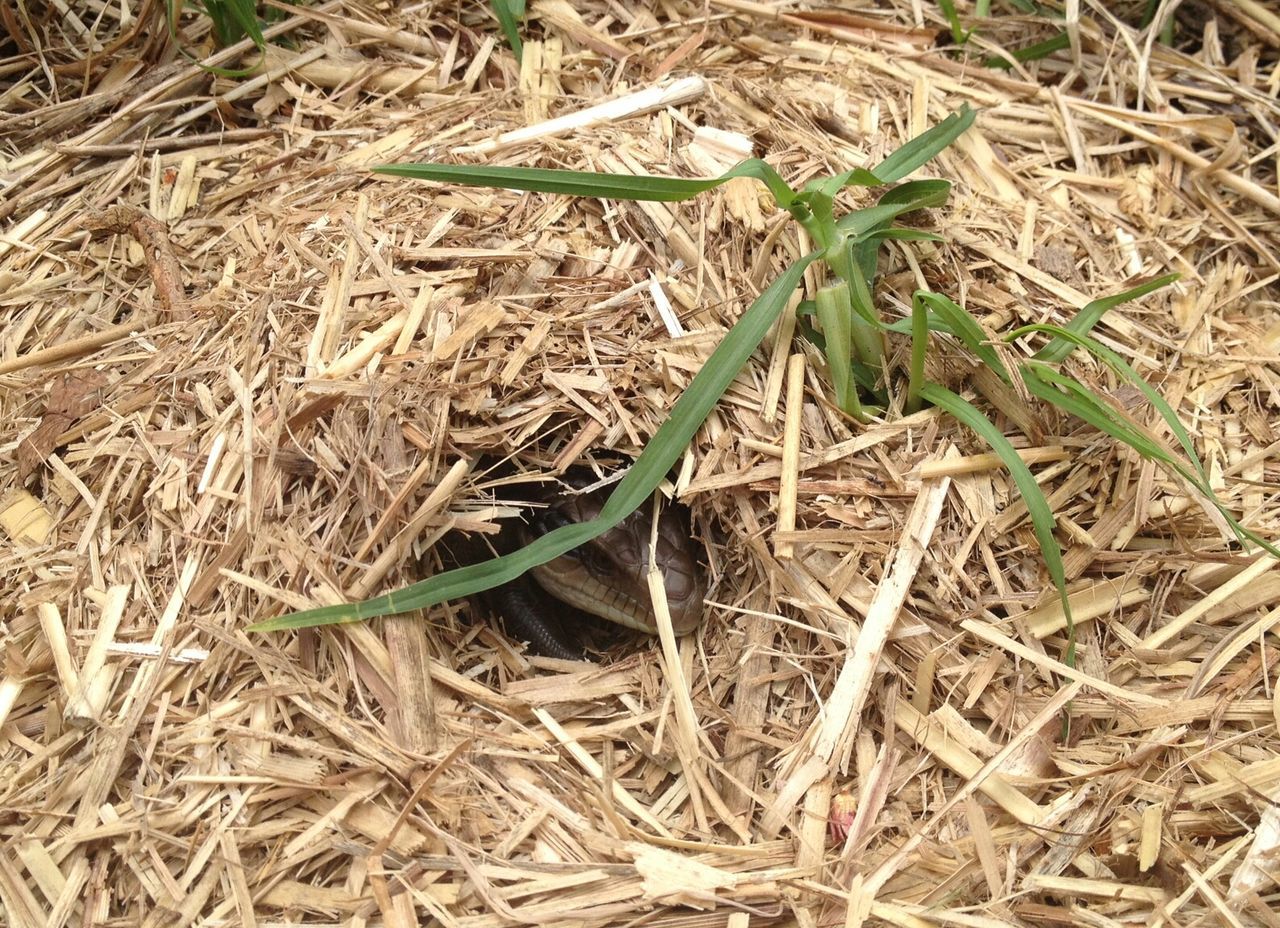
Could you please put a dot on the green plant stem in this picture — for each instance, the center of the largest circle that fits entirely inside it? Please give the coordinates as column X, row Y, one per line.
column 868, row 341
column 839, row 257
column 919, row 348
column 835, row 315
column 864, row 338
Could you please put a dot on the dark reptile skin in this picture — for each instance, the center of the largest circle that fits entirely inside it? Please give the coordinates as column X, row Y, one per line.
column 523, row 609
column 526, row 613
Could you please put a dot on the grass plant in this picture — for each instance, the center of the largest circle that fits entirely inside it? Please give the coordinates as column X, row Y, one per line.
column 852, row 335
column 229, row 22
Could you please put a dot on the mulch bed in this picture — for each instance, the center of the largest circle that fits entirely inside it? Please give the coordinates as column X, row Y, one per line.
column 241, row 375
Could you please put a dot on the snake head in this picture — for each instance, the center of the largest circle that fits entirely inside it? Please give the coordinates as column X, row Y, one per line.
column 607, row 577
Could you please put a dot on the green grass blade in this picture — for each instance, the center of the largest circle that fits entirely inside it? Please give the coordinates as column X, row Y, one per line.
column 909, row 197
column 244, row 15
column 834, row 315
column 918, row 194
column 224, row 31
column 925, row 146
column 965, row 327
column 958, row 34
column 919, row 349
column 509, row 13
column 900, row 234
column 903, row 326
column 1042, row 519
column 1125, row 370
column 233, row 20
column 1032, row 52
column 1057, row 349
column 221, row 23
column 867, row 228
column 913, row 154
column 588, row 184
column 1072, row 397
column 658, row 457
column 830, row 186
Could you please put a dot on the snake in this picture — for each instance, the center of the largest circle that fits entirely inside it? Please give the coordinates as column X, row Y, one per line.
column 605, row 578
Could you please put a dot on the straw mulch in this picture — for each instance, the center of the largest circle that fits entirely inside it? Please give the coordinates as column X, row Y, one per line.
column 241, row 375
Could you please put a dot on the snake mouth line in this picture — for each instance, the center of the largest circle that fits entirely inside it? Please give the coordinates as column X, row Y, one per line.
column 597, row 598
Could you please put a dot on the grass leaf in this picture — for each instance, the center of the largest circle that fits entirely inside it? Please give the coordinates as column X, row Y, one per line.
column 589, row 184
column 900, row 234
column 230, row 21
column 1072, row 397
column 1126, row 371
column 1058, row 348
column 245, row 15
column 958, row 34
column 1034, row 52
column 658, row 457
column 925, row 146
column 509, row 13
column 830, row 186
column 1042, row 519
column 965, row 328
column 907, row 198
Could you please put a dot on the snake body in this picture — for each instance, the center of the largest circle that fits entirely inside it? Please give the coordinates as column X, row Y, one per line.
column 606, row 577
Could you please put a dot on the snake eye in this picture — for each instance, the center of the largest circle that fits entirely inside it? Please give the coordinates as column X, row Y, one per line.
column 590, row 557
column 549, row 520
